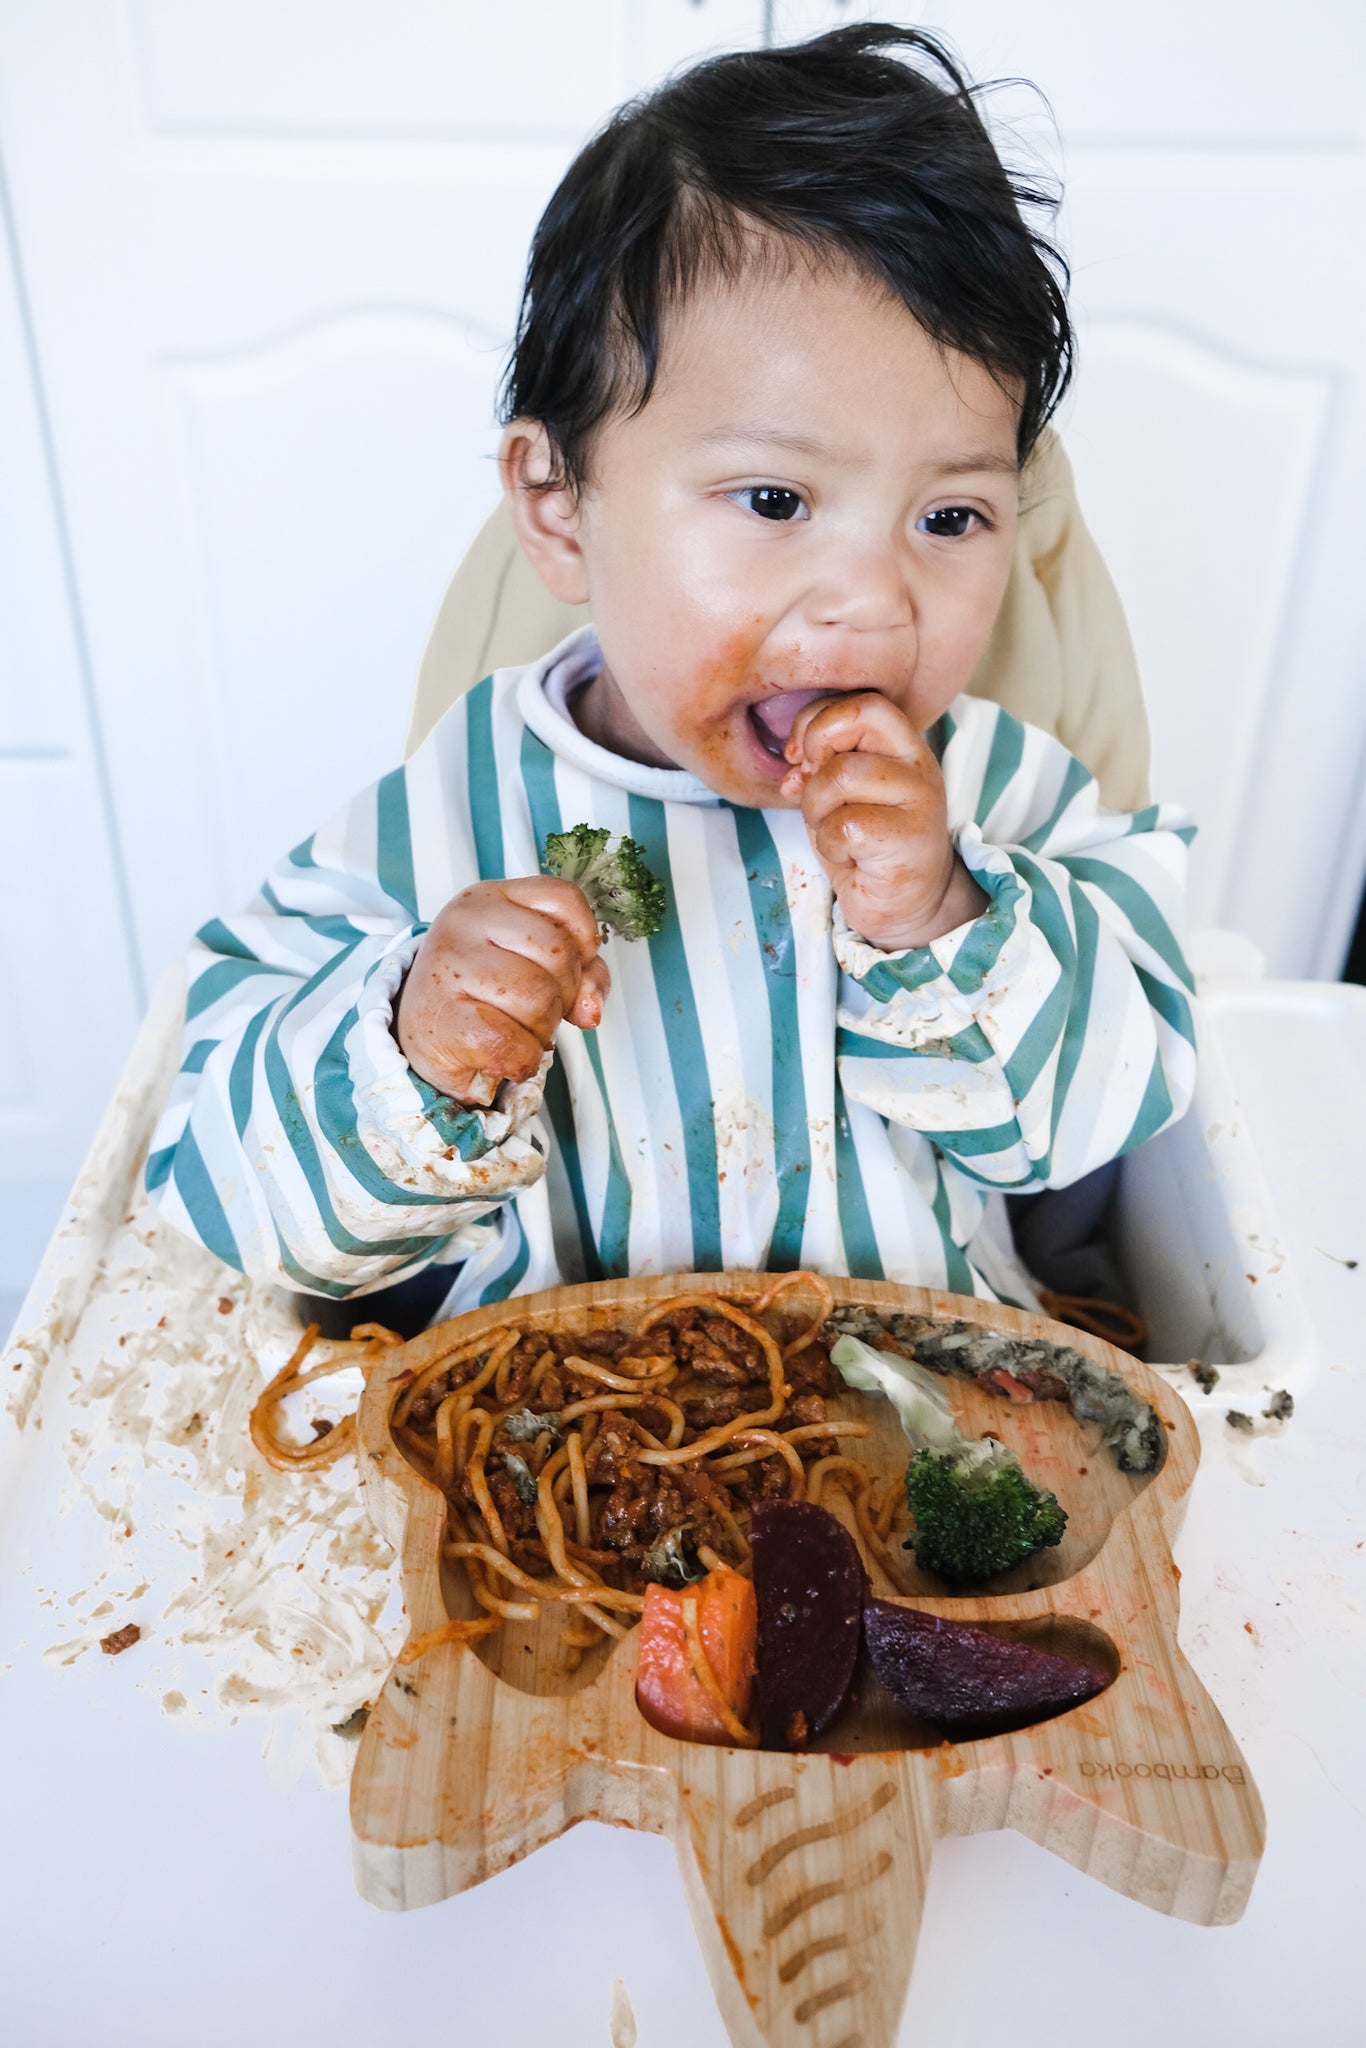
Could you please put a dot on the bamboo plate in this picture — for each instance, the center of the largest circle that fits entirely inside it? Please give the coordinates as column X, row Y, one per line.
column 805, row 1874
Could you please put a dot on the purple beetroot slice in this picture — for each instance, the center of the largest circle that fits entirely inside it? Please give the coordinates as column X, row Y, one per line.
column 809, row 1586
column 966, row 1680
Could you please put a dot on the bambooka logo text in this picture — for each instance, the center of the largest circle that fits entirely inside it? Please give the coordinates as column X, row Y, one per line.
column 1232, row 1774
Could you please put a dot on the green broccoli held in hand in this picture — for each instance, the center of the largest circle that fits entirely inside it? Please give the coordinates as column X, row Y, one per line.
column 975, row 1512
column 623, row 895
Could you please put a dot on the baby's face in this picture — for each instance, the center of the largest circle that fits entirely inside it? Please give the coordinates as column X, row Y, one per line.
column 814, row 499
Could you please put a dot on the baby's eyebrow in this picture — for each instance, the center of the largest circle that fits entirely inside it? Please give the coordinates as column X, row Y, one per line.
column 988, row 459
column 757, row 433
column 751, row 433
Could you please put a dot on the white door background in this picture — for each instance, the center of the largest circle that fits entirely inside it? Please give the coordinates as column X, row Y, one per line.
column 259, row 263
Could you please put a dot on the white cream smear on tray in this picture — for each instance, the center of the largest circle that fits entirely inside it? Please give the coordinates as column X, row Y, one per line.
column 257, row 1592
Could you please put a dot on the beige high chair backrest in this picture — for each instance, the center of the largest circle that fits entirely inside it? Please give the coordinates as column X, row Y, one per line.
column 1059, row 655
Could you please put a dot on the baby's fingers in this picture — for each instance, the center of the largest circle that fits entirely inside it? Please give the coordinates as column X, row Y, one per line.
column 467, row 1047
column 861, row 720
column 586, row 1008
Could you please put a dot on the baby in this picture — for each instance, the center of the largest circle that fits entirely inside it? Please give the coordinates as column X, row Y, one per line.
column 785, row 345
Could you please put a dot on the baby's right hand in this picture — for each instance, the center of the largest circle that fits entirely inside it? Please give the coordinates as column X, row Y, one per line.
column 499, row 968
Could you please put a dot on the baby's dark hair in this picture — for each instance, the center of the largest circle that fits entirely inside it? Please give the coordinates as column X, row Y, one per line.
column 834, row 146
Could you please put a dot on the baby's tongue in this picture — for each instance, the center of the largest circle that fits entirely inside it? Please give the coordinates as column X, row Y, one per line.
column 776, row 716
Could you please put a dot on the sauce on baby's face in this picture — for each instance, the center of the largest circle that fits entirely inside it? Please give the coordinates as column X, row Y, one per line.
column 810, row 393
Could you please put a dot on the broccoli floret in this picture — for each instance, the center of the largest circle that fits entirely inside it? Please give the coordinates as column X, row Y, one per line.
column 623, row 895
column 975, row 1512
column 975, row 1516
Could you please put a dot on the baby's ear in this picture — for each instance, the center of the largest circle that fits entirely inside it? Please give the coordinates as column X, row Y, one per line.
column 545, row 510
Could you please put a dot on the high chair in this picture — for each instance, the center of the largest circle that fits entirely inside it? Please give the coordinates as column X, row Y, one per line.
column 1241, row 1231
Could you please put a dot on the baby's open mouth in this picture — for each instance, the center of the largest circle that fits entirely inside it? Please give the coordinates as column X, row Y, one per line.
column 774, row 717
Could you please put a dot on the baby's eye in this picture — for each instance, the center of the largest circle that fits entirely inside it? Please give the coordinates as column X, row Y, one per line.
column 772, row 501
column 949, row 522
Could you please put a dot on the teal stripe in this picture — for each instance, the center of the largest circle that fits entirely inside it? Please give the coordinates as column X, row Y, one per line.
column 393, row 841
column 1154, row 1111
column 607, row 1252
column 1073, row 781
column 982, row 947
column 908, row 971
column 1087, row 925
column 335, row 1097
column 972, row 1143
column 1144, row 820
column 331, row 925
column 510, row 1279
column 1003, row 762
column 158, row 1169
column 940, row 733
column 1035, row 1048
column 614, row 1233
column 1138, row 906
column 220, row 979
column 970, row 1044
column 481, row 770
column 296, row 1129
column 301, row 856
column 957, row 1271
column 862, row 1259
column 561, row 1113
column 312, row 1283
column 777, row 951
column 1169, row 1003
column 195, row 1059
column 218, row 937
column 196, row 1190
column 242, row 1075
column 462, row 1129
column 683, row 1035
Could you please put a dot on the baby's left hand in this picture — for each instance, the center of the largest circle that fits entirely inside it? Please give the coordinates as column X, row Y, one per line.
column 872, row 796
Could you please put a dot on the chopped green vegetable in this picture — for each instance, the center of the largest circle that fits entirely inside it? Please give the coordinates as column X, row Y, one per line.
column 976, row 1518
column 671, row 1559
column 524, row 1425
column 976, row 1513
column 623, row 895
column 519, row 1472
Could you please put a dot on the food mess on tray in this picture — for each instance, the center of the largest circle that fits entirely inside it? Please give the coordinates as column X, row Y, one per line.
column 671, row 1473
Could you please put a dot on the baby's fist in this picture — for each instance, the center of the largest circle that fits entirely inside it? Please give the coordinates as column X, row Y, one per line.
column 498, row 971
column 872, row 795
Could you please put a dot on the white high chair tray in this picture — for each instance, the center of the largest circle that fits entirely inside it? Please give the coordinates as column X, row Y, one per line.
column 162, row 1885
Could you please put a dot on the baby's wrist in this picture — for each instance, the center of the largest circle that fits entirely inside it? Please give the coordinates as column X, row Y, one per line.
column 960, row 900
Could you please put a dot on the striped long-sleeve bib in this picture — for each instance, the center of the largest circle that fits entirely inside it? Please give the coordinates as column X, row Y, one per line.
column 765, row 1089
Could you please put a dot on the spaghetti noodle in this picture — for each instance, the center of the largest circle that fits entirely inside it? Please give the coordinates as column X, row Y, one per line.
column 580, row 1465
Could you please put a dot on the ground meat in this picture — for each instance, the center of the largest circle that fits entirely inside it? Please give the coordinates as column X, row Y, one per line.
column 550, row 1395
column 806, row 1409
column 713, row 1409
column 741, row 1347
column 121, row 1639
column 709, row 1362
column 605, row 1345
column 696, row 1486
column 612, row 1452
column 517, row 1516
column 666, row 1509
column 810, row 1368
column 772, row 1479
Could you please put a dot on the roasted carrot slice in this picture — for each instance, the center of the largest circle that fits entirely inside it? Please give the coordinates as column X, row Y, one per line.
column 695, row 1659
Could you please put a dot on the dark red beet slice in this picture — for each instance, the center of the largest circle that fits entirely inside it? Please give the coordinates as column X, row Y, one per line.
column 809, row 1584
column 966, row 1680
